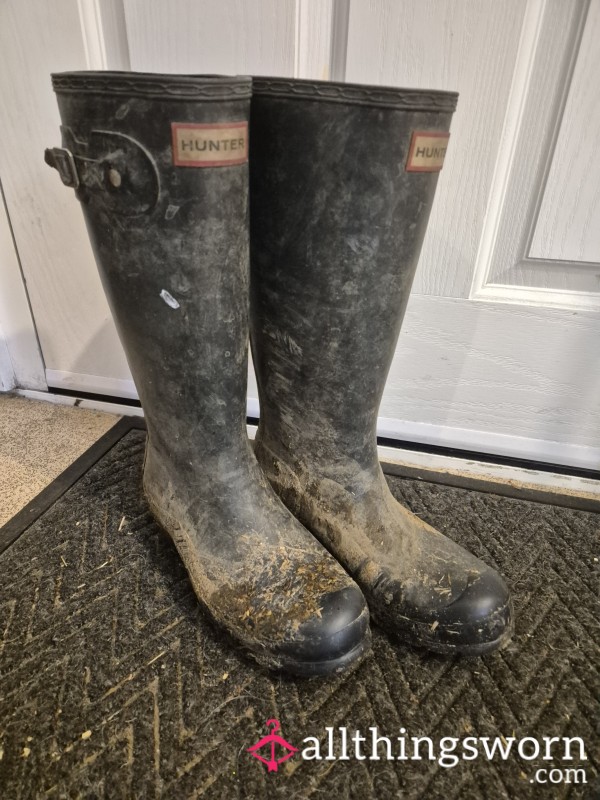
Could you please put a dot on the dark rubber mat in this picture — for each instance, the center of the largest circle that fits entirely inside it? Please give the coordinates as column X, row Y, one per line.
column 114, row 685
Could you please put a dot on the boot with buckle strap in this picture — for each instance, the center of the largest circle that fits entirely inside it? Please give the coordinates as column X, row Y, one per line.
column 159, row 163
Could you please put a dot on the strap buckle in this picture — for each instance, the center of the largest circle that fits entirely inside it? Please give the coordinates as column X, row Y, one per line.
column 62, row 160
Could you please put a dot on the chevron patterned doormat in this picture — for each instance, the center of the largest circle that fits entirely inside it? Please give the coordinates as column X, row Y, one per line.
column 113, row 684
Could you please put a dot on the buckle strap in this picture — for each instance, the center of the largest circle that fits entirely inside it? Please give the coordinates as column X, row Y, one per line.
column 112, row 168
column 63, row 160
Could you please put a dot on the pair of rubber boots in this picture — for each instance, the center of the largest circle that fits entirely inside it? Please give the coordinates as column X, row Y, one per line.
column 291, row 548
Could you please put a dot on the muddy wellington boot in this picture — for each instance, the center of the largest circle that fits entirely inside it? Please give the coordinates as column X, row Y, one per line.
column 159, row 163
column 342, row 179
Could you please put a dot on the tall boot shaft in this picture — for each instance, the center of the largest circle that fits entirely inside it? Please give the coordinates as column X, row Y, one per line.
column 342, row 184
column 159, row 163
column 170, row 238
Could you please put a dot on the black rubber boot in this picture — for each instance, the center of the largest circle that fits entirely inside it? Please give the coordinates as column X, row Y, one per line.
column 159, row 163
column 342, row 182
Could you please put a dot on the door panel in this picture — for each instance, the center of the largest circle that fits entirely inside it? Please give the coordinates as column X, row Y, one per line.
column 459, row 46
column 572, row 182
column 510, row 266
column 511, row 360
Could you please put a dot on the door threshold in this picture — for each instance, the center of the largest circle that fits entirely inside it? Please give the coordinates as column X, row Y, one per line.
column 526, row 481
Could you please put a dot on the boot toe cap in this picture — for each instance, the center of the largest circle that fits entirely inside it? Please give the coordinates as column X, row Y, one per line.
column 331, row 640
column 480, row 619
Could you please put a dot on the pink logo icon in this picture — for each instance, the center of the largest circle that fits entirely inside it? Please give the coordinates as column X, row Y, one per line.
column 271, row 742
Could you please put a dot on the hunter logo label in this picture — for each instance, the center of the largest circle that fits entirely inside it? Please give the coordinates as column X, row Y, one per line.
column 211, row 145
column 427, row 151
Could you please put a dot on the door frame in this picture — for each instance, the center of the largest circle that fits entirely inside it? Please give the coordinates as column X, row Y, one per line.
column 21, row 362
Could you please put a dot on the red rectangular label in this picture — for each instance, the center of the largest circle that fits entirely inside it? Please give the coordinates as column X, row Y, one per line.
column 209, row 145
column 427, row 151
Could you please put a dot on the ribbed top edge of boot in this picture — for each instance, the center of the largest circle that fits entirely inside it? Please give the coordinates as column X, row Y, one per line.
column 356, row 94
column 150, row 84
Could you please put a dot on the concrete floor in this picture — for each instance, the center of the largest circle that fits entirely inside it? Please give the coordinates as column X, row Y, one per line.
column 38, row 440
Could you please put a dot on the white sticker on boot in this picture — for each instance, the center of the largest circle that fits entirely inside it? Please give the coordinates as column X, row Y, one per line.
column 213, row 145
column 427, row 151
column 169, row 299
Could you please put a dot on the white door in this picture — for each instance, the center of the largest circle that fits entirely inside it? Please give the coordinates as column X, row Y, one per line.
column 498, row 351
